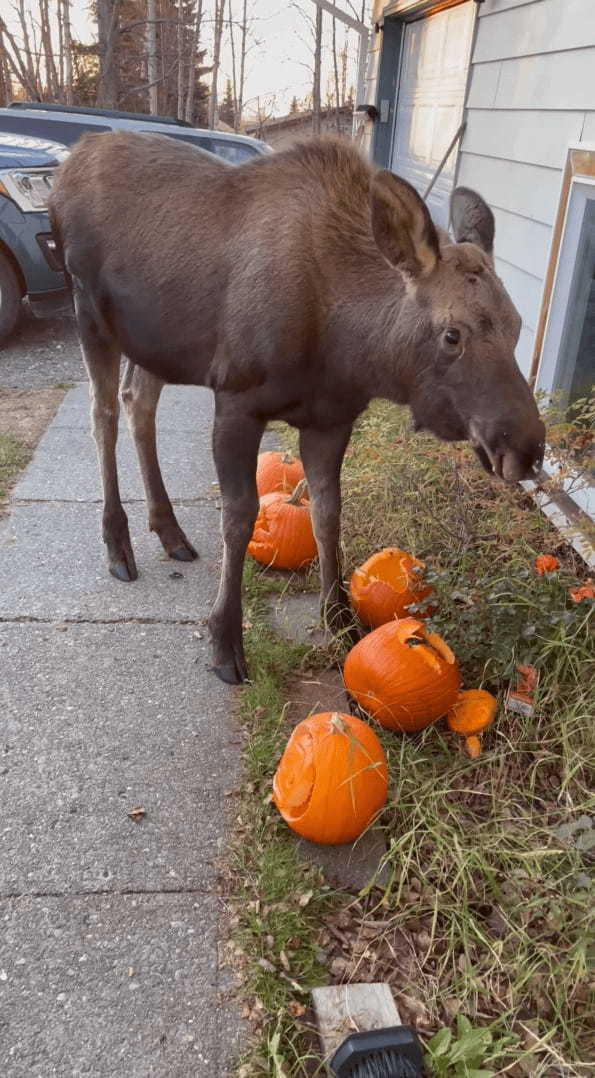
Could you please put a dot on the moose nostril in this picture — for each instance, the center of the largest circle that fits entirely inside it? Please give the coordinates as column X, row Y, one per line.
column 452, row 336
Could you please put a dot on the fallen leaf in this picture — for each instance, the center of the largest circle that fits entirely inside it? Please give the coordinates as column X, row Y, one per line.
column 284, row 961
column 137, row 814
column 452, row 1006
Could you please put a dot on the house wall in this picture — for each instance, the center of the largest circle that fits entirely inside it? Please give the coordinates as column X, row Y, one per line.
column 531, row 93
column 284, row 133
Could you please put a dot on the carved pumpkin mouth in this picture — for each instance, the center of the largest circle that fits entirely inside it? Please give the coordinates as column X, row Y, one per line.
column 332, row 778
column 432, row 647
column 294, row 785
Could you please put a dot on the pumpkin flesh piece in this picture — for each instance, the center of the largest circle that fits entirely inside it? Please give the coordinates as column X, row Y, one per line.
column 473, row 747
column 471, row 712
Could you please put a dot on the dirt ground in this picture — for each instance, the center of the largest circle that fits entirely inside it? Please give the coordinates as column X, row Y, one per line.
column 37, row 366
column 25, row 413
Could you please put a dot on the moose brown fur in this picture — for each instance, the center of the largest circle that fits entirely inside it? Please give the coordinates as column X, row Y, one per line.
column 297, row 287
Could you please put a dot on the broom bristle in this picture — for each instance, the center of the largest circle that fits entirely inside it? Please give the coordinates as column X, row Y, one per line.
column 386, row 1063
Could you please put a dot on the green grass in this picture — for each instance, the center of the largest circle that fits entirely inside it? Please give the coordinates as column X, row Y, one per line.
column 489, row 861
column 279, row 901
column 13, row 458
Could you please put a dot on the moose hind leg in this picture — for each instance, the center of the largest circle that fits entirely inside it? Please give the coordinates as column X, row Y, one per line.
column 236, row 439
column 102, row 360
column 140, row 392
column 322, row 455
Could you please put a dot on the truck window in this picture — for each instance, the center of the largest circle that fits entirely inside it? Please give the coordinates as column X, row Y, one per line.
column 56, row 130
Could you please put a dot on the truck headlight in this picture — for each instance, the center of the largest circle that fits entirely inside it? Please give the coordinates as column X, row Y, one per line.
column 28, row 187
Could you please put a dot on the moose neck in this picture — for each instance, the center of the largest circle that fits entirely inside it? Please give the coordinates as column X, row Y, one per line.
column 380, row 334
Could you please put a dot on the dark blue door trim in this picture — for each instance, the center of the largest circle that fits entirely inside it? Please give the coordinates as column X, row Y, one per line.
column 388, row 78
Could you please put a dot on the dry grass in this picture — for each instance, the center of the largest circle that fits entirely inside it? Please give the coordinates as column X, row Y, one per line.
column 483, row 926
column 489, row 860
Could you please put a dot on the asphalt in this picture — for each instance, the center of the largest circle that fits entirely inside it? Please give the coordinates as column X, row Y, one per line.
column 41, row 353
column 111, row 930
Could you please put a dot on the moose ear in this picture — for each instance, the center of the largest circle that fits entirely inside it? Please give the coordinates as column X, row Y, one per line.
column 472, row 219
column 402, row 226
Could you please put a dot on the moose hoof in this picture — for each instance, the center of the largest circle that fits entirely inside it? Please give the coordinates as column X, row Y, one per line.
column 230, row 673
column 183, row 553
column 230, row 666
column 123, row 572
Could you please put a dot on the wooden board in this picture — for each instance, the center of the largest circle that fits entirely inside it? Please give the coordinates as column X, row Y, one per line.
column 578, row 163
column 352, row 1008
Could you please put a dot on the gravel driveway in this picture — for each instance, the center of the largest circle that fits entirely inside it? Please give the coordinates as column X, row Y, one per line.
column 42, row 353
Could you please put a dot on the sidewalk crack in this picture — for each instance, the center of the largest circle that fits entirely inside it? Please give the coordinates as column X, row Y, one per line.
column 120, row 893
column 27, row 619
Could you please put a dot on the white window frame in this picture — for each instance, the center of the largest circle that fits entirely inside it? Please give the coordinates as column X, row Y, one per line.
column 578, row 188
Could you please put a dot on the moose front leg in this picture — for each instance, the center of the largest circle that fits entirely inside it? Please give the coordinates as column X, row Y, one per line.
column 236, row 438
column 140, row 392
column 322, row 455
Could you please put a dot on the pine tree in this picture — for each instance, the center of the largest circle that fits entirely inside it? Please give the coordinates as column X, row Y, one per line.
column 294, row 107
column 226, row 108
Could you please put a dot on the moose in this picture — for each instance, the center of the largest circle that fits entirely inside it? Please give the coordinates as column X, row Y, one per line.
column 298, row 287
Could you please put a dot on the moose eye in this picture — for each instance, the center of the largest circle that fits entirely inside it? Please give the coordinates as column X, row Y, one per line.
column 452, row 336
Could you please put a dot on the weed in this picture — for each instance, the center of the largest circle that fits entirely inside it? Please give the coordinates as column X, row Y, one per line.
column 13, row 457
column 460, row 1054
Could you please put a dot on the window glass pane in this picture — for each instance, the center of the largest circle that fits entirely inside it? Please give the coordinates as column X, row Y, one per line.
column 235, row 152
column 576, row 370
column 63, row 131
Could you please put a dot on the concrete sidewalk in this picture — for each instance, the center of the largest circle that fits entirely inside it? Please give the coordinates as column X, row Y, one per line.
column 109, row 929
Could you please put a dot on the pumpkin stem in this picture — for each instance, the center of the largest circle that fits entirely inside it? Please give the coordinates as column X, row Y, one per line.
column 298, row 493
column 337, row 723
column 287, row 459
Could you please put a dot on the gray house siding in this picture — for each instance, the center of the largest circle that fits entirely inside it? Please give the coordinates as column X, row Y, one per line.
column 531, row 95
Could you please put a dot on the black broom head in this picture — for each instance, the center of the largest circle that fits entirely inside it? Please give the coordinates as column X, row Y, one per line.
column 381, row 1053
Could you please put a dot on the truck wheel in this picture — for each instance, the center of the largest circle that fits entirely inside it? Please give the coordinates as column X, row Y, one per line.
column 10, row 298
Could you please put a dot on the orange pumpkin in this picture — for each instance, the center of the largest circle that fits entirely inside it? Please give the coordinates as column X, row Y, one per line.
column 332, row 778
column 473, row 747
column 385, row 585
column 283, row 537
column 472, row 711
column 277, row 471
column 403, row 675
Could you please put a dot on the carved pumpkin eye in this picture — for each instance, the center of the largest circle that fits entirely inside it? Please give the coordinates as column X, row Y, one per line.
column 452, row 336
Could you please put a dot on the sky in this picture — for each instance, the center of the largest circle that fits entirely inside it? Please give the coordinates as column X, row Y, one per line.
column 279, row 62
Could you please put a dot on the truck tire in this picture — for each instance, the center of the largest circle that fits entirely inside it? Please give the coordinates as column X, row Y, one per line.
column 10, row 298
